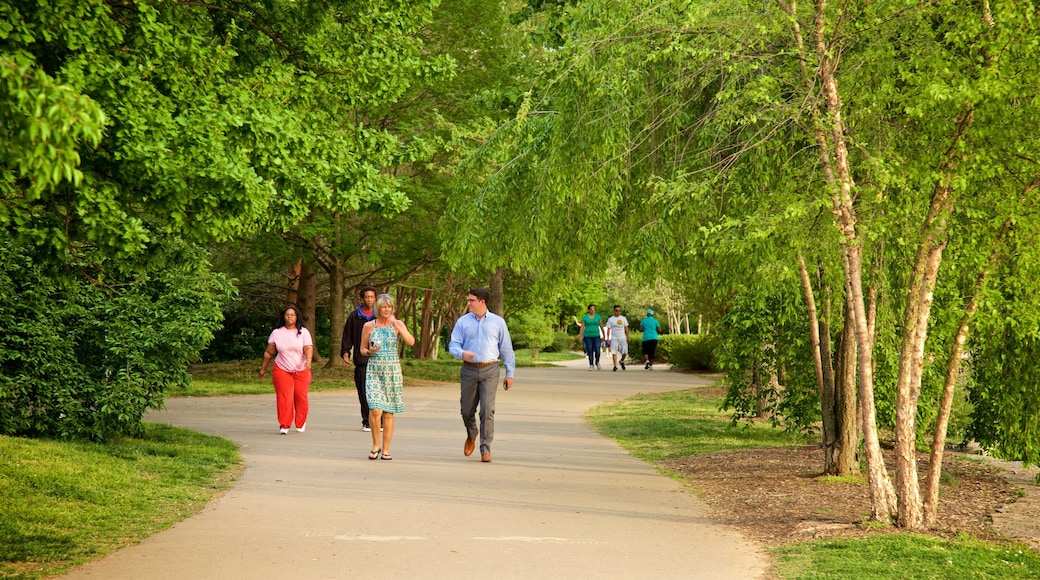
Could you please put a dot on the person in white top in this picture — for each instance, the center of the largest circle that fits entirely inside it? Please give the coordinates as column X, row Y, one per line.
column 291, row 347
column 617, row 337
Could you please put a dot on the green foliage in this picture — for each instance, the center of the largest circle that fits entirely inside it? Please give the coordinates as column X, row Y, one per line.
column 66, row 503
column 688, row 351
column 42, row 126
column 242, row 335
column 561, row 342
column 216, row 120
column 530, row 328
column 81, row 359
column 1005, row 392
column 686, row 133
column 762, row 337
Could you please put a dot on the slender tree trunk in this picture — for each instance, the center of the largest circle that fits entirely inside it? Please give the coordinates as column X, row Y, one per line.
column 819, row 341
column 953, row 366
column 292, row 275
column 846, row 412
column 883, row 500
column 337, row 310
column 882, row 494
column 426, row 332
column 915, row 334
column 497, row 304
column 829, row 131
column 942, row 421
column 307, row 297
column 756, row 382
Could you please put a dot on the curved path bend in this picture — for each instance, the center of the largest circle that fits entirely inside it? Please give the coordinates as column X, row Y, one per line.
column 559, row 501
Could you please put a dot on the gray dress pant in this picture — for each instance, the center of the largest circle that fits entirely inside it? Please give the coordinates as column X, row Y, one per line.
column 479, row 385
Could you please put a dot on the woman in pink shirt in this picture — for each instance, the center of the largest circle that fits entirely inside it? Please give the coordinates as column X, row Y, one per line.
column 292, row 344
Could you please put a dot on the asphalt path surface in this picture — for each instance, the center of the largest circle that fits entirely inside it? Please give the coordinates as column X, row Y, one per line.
column 558, row 501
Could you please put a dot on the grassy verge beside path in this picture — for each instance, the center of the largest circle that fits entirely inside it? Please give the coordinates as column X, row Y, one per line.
column 682, row 423
column 66, row 503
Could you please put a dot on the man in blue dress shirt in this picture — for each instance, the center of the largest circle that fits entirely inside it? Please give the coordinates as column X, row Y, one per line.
column 480, row 338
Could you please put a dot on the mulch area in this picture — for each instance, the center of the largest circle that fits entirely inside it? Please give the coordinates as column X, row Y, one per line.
column 775, row 495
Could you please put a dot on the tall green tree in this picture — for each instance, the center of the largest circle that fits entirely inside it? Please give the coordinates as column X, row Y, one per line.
column 131, row 129
column 849, row 138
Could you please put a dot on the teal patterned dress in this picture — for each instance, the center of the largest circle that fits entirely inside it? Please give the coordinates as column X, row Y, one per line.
column 384, row 385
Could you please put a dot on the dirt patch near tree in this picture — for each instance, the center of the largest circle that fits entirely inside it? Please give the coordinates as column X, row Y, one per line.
column 777, row 496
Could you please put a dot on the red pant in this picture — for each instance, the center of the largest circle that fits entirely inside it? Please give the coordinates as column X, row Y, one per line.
column 290, row 392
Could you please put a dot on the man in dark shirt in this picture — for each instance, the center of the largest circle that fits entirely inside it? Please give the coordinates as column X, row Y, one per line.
column 350, row 347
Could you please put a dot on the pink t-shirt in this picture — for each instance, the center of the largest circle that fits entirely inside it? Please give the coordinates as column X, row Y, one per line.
column 290, row 345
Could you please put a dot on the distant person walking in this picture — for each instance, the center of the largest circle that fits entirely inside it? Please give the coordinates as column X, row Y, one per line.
column 384, row 384
column 617, row 335
column 292, row 347
column 591, row 330
column 650, row 327
column 350, row 346
column 480, row 339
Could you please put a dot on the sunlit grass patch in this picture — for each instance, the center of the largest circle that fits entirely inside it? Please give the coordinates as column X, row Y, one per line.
column 65, row 503
column 679, row 423
column 903, row 556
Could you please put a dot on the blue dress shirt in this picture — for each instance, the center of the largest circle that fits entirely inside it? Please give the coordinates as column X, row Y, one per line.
column 487, row 337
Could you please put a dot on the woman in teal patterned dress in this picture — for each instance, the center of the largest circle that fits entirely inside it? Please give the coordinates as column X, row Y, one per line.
column 383, row 381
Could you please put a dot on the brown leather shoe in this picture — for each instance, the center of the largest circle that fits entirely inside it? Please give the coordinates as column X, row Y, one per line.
column 468, row 448
column 485, row 457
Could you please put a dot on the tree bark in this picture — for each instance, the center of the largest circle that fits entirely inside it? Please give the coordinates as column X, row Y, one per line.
column 915, row 334
column 834, row 155
column 426, row 334
column 307, row 297
column 497, row 303
column 846, row 412
column 337, row 311
column 819, row 341
column 292, row 275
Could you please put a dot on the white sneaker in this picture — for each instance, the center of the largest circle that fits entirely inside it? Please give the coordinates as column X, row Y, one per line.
column 592, row 368
column 366, row 428
column 301, row 428
column 283, row 431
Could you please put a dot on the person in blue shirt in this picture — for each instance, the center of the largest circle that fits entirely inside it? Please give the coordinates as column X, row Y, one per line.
column 479, row 339
column 650, row 326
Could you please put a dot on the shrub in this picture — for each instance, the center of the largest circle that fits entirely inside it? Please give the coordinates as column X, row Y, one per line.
column 635, row 346
column 561, row 342
column 530, row 328
column 81, row 359
column 688, row 351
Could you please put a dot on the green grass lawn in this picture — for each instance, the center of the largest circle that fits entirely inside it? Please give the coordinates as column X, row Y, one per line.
column 661, row 426
column 907, row 556
column 65, row 503
column 680, row 423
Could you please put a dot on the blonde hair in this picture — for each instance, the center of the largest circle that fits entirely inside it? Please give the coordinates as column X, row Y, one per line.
column 380, row 301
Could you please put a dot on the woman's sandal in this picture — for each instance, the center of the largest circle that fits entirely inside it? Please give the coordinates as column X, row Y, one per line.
column 387, row 457
column 375, row 454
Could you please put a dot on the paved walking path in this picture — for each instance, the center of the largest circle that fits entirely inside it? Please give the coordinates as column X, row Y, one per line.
column 559, row 501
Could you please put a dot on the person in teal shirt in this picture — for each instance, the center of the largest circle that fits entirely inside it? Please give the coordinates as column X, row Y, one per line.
column 650, row 326
column 591, row 332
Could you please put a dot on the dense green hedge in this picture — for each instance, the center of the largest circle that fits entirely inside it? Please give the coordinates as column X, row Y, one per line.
column 562, row 342
column 694, row 352
column 86, row 358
